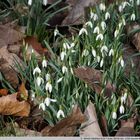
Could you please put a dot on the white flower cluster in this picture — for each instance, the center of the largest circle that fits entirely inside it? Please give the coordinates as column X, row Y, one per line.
column 44, row 2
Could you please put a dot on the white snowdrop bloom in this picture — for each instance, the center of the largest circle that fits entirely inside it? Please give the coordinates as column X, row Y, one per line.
column 122, row 62
column 125, row 3
column 44, row 63
column 30, row 2
column 138, row 2
column 66, row 45
column 102, row 7
column 95, row 17
column 114, row 115
column 45, row 2
column 60, row 113
column 111, row 52
column 91, row 14
column 59, row 80
column 47, row 77
column 104, row 48
column 48, row 101
column 133, row 17
column 107, row 15
column 89, row 23
column 39, row 80
column 73, row 51
column 103, row 25
column 85, row 52
column 62, row 55
column 101, row 63
column 99, row 37
column 93, row 52
column 36, row 70
column 48, row 87
column 98, row 58
column 56, row 32
column 83, row 31
column 96, row 30
column 116, row 33
column 121, row 109
column 120, row 8
column 122, row 100
column 72, row 45
column 42, row 106
column 64, row 69
column 32, row 95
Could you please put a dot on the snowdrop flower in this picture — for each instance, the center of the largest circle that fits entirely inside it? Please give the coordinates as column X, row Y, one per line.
column 59, row 80
column 36, row 70
column 125, row 96
column 30, row 2
column 96, row 30
column 101, row 63
column 122, row 100
column 120, row 8
column 39, row 80
column 107, row 15
column 60, row 113
column 93, row 52
column 114, row 115
column 56, row 32
column 125, row 3
column 121, row 61
column 121, row 109
column 66, row 45
column 116, row 33
column 48, row 101
column 138, row 2
column 64, row 69
column 85, row 52
column 103, row 25
column 99, row 37
column 133, row 17
column 102, row 7
column 98, row 59
column 111, row 52
column 47, row 77
column 44, row 63
column 89, row 23
column 72, row 45
column 95, row 17
column 42, row 106
column 62, row 55
column 48, row 87
column 45, row 2
column 91, row 14
column 104, row 48
column 83, row 31
column 32, row 95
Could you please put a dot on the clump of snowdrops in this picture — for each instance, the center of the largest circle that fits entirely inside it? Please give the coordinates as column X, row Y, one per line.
column 99, row 45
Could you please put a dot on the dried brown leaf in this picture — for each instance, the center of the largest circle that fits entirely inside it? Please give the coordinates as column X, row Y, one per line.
column 91, row 127
column 9, row 105
column 3, row 92
column 127, row 129
column 67, row 126
column 93, row 78
column 9, row 35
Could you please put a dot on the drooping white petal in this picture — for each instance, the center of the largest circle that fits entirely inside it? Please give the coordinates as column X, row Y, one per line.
column 44, row 63
column 30, row 2
column 121, row 109
column 59, row 80
column 36, row 70
column 48, row 87
column 107, row 15
column 102, row 7
column 42, row 106
column 60, row 113
column 64, row 69
column 83, row 31
column 45, row 2
column 62, row 55
column 114, row 115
